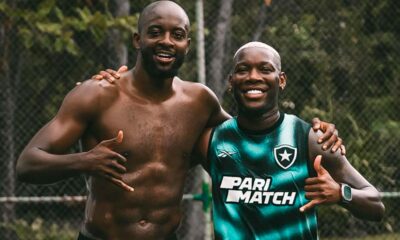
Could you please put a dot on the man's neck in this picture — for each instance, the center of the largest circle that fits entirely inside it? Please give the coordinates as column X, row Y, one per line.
column 149, row 86
column 258, row 122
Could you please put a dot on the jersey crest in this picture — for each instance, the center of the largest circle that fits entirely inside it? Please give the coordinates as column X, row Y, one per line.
column 285, row 155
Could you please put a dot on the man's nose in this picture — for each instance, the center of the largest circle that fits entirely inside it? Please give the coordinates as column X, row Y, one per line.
column 166, row 40
column 254, row 75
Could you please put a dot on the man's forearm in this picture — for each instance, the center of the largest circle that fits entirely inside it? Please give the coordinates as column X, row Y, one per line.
column 366, row 204
column 40, row 167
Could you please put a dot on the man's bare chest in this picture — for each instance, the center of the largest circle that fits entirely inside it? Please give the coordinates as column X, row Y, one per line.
column 153, row 127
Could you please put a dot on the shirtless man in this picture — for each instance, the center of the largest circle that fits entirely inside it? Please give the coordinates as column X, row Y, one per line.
column 138, row 132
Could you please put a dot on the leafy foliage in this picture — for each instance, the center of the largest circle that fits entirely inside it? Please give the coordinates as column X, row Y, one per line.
column 341, row 58
column 40, row 230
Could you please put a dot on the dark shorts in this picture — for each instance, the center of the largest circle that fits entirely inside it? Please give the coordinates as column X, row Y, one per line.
column 83, row 237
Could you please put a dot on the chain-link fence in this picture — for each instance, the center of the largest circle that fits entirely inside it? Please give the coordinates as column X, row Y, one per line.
column 341, row 58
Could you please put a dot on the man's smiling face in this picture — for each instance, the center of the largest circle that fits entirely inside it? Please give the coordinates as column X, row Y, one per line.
column 163, row 40
column 256, row 79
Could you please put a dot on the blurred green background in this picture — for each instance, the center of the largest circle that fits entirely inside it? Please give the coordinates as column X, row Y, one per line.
column 341, row 57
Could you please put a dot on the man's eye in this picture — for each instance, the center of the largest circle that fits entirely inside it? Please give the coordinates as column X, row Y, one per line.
column 179, row 36
column 154, row 33
column 266, row 70
column 241, row 70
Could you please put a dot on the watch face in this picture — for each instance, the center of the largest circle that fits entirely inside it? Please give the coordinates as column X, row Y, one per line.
column 347, row 193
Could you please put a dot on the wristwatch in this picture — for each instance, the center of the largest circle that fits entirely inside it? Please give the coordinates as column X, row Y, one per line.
column 345, row 191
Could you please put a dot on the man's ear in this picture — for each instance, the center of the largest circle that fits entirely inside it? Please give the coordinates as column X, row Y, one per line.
column 282, row 80
column 230, row 82
column 136, row 39
column 188, row 46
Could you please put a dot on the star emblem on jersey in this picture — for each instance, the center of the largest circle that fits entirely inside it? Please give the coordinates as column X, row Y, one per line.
column 285, row 155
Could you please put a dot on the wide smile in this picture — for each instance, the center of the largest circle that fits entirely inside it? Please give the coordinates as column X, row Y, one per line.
column 164, row 57
column 253, row 93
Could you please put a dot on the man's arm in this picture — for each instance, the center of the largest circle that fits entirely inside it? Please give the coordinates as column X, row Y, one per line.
column 200, row 152
column 218, row 114
column 45, row 160
column 329, row 138
column 334, row 170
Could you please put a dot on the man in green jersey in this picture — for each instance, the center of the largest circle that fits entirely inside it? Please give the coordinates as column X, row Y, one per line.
column 266, row 166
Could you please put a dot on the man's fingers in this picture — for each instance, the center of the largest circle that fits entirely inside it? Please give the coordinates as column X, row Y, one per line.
column 121, row 184
column 120, row 136
column 97, row 77
column 117, row 166
column 122, row 69
column 312, row 181
column 313, row 195
column 316, row 123
column 113, row 141
column 119, row 158
column 312, row 188
column 107, row 76
column 337, row 145
column 113, row 73
column 317, row 165
column 328, row 131
column 328, row 139
column 309, row 205
column 343, row 149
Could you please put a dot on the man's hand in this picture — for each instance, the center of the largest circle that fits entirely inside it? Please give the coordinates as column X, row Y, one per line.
column 330, row 136
column 106, row 163
column 321, row 189
column 110, row 75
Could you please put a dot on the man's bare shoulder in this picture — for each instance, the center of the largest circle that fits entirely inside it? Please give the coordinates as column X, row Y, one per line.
column 89, row 97
column 196, row 89
column 315, row 148
column 204, row 97
column 95, row 90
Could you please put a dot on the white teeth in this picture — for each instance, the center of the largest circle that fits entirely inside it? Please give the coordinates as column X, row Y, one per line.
column 254, row 91
column 164, row 55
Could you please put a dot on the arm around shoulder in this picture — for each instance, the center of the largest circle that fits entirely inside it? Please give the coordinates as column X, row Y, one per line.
column 365, row 200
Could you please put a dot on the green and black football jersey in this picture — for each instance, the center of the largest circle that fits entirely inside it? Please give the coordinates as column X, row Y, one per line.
column 258, row 181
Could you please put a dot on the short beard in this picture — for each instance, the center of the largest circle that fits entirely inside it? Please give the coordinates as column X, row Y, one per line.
column 151, row 67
